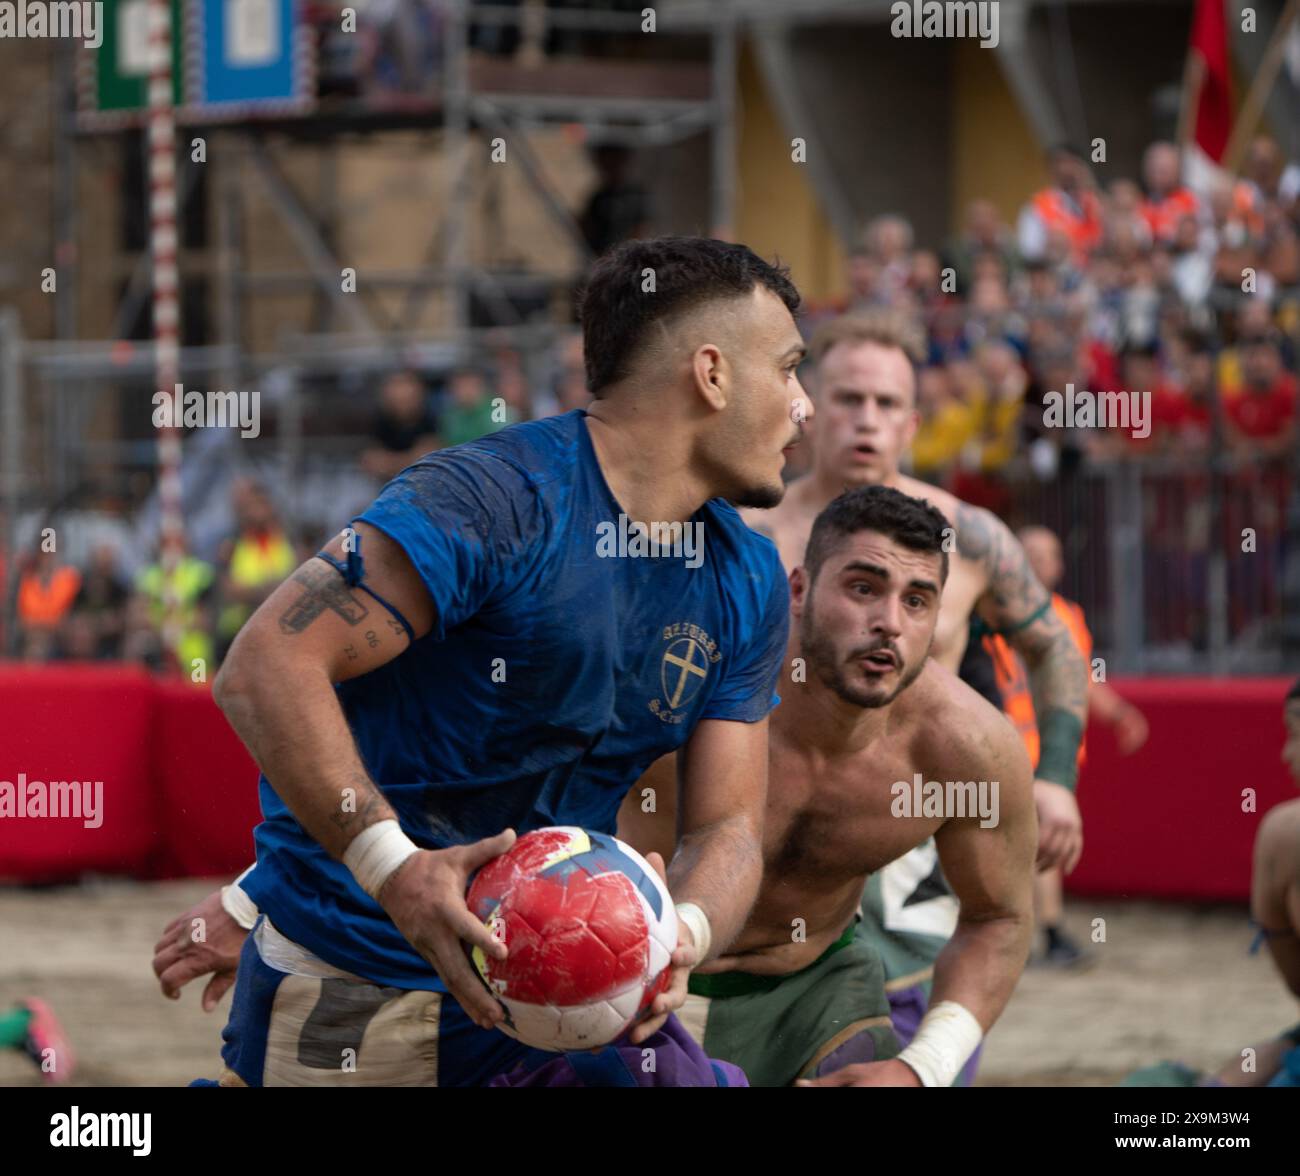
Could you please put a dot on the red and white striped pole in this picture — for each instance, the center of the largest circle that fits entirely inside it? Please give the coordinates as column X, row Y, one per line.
column 166, row 313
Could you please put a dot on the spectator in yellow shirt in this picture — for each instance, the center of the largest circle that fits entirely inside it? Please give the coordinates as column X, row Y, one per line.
column 947, row 424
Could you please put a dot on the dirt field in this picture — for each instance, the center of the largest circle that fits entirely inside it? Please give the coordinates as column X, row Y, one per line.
column 1170, row 981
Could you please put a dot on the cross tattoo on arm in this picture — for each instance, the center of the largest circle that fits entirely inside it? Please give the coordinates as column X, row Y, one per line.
column 324, row 589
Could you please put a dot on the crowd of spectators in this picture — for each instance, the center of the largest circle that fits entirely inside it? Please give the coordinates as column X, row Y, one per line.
column 90, row 610
column 1147, row 288
column 96, row 613
column 1131, row 287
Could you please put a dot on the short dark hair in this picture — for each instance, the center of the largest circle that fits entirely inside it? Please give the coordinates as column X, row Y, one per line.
column 912, row 522
column 688, row 272
column 1293, row 693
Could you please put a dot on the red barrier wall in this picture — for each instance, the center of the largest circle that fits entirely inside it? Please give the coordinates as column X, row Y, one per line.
column 180, row 796
column 179, row 790
column 1168, row 821
column 78, row 723
column 206, row 785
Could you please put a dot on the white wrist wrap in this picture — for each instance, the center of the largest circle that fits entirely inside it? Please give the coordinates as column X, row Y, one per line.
column 943, row 1044
column 376, row 852
column 698, row 922
column 237, row 904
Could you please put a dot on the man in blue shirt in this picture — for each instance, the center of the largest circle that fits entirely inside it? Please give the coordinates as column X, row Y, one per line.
column 505, row 639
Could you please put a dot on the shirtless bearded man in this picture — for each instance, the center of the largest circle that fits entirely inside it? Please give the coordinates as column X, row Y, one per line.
column 868, row 725
column 863, row 382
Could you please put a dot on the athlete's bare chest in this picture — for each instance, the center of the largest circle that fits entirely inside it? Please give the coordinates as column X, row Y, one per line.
column 830, row 819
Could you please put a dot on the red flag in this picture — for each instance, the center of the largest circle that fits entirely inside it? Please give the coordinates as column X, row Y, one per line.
column 1213, row 122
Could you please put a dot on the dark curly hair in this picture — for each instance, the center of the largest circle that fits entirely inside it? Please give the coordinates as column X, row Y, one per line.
column 912, row 522
column 616, row 311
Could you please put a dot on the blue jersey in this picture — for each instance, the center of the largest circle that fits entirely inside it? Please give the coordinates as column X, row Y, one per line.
column 557, row 670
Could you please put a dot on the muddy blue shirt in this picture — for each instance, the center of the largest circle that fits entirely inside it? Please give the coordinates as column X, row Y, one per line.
column 560, row 666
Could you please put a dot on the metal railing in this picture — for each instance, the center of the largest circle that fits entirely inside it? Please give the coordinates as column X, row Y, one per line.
column 1180, row 567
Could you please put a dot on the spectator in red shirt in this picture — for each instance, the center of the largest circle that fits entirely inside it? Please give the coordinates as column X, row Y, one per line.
column 1177, row 423
column 1262, row 419
column 1140, row 372
column 1180, row 395
column 1191, row 424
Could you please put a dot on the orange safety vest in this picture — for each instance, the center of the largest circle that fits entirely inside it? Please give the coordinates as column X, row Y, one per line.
column 42, row 606
column 1013, row 679
column 1163, row 215
column 1081, row 226
column 1247, row 206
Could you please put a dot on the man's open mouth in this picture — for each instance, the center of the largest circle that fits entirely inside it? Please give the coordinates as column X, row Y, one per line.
column 879, row 660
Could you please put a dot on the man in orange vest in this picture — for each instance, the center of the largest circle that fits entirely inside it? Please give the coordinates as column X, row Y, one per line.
column 1043, row 550
column 45, row 596
column 1167, row 201
column 1068, row 208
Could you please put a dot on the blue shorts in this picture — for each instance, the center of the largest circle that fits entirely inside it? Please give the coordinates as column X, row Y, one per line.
column 290, row 1029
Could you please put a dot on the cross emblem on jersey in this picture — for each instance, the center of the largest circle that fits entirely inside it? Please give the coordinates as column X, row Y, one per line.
column 679, row 659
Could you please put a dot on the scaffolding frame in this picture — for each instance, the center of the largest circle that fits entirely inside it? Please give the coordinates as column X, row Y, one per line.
column 252, row 153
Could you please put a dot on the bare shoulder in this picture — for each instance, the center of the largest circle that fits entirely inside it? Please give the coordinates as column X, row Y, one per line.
column 1276, row 867
column 982, row 537
column 958, row 732
column 1280, row 828
column 946, row 504
column 979, row 532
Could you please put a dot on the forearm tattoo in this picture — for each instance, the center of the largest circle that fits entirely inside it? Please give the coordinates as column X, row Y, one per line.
column 1058, row 675
column 368, row 807
column 1012, row 588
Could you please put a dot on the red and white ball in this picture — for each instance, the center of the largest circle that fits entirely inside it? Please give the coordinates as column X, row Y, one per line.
column 590, row 929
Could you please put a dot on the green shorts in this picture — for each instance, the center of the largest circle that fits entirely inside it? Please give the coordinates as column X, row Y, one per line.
column 908, row 915
column 830, row 1014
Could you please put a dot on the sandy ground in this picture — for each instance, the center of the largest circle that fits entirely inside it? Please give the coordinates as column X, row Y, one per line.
column 1170, row 981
